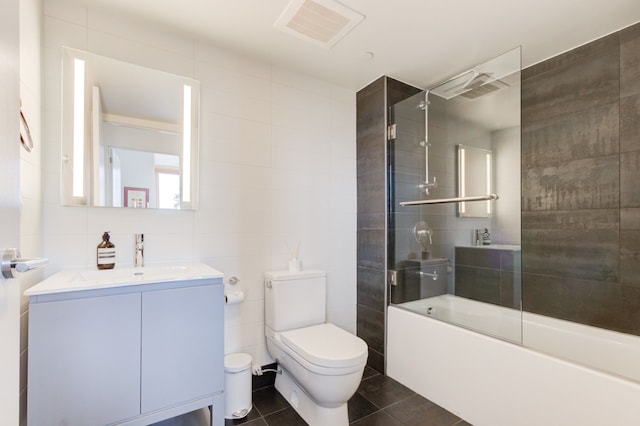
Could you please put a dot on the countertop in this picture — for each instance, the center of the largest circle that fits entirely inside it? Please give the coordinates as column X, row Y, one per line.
column 94, row 279
column 512, row 247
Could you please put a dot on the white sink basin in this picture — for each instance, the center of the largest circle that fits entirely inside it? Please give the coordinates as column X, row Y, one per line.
column 94, row 279
column 136, row 274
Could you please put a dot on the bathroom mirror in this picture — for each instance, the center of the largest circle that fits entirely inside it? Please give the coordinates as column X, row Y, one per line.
column 129, row 135
column 474, row 179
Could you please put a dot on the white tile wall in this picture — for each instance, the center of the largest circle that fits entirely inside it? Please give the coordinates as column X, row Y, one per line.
column 31, row 167
column 277, row 166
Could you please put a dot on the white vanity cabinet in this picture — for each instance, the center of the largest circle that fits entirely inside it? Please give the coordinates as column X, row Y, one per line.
column 84, row 360
column 130, row 354
column 182, row 355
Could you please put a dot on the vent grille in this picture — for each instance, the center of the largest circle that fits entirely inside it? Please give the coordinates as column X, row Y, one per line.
column 323, row 22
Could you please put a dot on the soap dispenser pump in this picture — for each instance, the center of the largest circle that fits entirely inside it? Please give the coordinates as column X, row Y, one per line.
column 106, row 254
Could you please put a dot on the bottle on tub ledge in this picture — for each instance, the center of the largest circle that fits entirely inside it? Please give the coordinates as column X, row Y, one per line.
column 481, row 237
column 106, row 253
column 485, row 237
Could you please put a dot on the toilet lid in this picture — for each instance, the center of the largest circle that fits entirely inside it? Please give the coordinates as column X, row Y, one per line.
column 326, row 345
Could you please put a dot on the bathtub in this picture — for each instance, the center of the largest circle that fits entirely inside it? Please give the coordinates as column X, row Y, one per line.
column 491, row 381
column 497, row 321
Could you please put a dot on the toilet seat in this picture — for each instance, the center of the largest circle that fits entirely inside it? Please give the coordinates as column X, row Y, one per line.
column 326, row 345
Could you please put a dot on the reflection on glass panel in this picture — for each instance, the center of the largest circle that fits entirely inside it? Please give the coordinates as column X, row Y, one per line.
column 459, row 262
column 474, row 178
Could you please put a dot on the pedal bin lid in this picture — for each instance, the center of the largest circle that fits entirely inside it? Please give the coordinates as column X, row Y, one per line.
column 236, row 362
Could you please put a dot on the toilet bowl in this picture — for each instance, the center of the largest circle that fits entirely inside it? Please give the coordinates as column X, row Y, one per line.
column 321, row 364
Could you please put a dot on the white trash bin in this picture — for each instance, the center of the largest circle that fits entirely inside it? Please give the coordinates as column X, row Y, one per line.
column 237, row 385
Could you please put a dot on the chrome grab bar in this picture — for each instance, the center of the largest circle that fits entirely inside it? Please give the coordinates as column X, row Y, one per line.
column 450, row 200
column 11, row 261
column 428, row 274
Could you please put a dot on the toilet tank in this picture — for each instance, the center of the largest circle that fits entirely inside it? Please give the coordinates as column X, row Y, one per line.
column 294, row 299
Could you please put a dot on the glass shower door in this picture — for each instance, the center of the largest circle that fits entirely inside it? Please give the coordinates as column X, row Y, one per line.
column 416, row 241
column 459, row 262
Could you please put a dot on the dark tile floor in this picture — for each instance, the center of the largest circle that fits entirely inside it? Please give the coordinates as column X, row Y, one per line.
column 379, row 401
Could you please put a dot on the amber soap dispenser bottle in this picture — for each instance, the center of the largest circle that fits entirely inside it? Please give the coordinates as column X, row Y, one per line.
column 106, row 258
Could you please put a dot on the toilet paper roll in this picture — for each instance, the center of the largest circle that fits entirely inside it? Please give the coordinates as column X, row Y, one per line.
column 234, row 297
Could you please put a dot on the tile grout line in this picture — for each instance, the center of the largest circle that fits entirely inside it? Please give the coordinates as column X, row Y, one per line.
column 364, row 417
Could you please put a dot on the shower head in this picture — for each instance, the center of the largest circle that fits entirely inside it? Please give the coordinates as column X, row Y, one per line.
column 454, row 86
column 482, row 89
column 470, row 84
column 476, row 80
column 481, row 77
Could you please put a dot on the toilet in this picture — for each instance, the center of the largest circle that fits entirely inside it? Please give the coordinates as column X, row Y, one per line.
column 321, row 364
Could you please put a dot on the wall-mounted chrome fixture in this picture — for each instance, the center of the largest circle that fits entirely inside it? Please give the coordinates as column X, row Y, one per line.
column 450, row 200
column 138, row 259
column 427, row 184
column 423, row 235
column 433, row 275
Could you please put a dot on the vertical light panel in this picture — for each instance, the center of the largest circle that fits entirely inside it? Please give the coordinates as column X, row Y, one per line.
column 463, row 190
column 186, row 146
column 78, row 128
column 489, row 172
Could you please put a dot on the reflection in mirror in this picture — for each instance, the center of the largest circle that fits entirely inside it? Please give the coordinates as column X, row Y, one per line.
column 474, row 179
column 125, row 126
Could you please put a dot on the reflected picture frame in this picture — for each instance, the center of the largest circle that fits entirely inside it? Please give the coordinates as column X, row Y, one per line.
column 136, row 198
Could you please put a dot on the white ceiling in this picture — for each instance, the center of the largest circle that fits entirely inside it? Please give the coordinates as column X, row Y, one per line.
column 422, row 42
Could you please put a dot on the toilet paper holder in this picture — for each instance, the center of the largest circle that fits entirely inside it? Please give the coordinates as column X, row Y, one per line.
column 236, row 296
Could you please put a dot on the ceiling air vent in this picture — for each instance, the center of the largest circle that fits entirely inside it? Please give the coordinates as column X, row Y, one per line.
column 324, row 22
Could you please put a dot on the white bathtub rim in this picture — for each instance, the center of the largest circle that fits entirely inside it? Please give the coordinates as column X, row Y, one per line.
column 608, row 351
column 550, row 357
column 615, row 353
column 510, row 332
column 472, row 375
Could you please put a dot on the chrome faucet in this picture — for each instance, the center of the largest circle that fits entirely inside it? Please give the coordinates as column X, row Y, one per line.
column 138, row 260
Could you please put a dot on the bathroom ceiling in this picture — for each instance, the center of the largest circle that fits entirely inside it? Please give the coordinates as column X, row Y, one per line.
column 421, row 42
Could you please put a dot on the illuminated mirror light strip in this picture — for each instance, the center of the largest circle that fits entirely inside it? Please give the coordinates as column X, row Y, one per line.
column 488, row 182
column 78, row 128
column 463, row 191
column 186, row 146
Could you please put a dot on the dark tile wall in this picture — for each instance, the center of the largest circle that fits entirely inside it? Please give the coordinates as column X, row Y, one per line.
column 372, row 102
column 370, row 148
column 490, row 275
column 580, row 175
column 580, row 196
